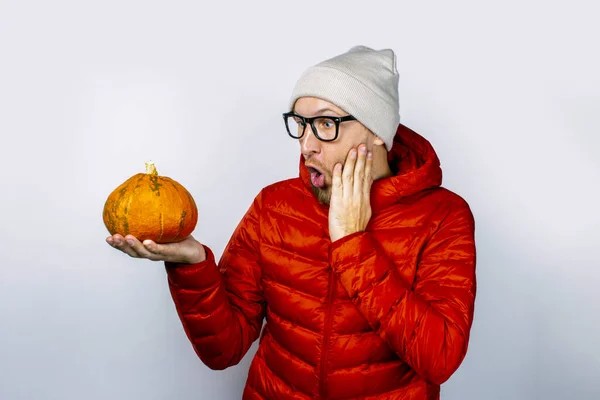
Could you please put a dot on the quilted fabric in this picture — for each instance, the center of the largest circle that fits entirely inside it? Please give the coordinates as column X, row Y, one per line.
column 380, row 314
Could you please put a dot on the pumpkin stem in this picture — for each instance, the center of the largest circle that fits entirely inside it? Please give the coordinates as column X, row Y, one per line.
column 150, row 168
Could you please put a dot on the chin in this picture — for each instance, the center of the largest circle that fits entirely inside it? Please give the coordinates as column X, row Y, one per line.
column 323, row 194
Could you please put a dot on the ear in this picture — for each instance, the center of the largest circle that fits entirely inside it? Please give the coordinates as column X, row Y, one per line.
column 376, row 139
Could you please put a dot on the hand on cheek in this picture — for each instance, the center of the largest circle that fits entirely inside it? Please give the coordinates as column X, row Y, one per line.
column 350, row 208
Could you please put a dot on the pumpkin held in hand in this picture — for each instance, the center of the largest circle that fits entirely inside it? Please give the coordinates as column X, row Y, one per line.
column 150, row 206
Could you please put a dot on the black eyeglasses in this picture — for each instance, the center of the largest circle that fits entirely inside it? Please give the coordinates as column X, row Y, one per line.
column 325, row 128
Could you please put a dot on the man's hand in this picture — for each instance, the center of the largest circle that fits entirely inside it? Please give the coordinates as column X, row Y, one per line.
column 350, row 206
column 187, row 251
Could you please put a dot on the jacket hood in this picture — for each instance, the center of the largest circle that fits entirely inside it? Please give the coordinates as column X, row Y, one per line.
column 415, row 167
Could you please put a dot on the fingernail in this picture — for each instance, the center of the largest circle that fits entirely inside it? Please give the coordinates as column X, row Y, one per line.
column 370, row 155
column 363, row 150
column 130, row 242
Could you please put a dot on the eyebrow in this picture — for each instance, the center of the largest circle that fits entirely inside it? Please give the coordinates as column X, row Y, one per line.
column 322, row 110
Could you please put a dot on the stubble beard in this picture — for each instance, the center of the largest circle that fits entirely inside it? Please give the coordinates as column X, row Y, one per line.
column 323, row 194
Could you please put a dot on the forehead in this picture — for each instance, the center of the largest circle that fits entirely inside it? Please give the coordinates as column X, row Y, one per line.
column 308, row 106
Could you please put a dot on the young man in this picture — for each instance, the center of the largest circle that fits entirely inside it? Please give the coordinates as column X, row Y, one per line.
column 363, row 266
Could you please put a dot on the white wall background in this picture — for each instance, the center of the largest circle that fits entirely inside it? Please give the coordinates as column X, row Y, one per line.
column 507, row 92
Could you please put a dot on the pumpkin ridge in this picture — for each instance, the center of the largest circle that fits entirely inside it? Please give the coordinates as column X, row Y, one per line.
column 181, row 223
column 155, row 185
column 161, row 226
column 193, row 208
column 125, row 217
column 183, row 212
column 125, row 225
column 116, row 204
column 140, row 179
column 109, row 216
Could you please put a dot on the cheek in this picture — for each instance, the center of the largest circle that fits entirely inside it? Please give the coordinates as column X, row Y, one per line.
column 339, row 155
column 340, row 160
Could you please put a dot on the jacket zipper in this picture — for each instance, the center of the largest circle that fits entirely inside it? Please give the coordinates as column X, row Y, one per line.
column 326, row 333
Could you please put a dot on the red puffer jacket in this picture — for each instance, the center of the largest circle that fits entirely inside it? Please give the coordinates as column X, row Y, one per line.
column 380, row 314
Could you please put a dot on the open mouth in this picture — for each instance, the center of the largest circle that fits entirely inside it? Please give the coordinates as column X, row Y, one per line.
column 317, row 177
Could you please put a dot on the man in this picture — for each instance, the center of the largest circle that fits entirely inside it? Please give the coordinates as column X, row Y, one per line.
column 363, row 266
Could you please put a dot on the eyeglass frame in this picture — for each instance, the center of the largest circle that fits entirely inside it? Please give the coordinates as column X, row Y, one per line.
column 311, row 120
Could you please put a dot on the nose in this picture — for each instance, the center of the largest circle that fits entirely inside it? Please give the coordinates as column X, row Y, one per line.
column 309, row 144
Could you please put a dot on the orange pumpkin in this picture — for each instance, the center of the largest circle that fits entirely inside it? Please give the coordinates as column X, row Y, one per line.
column 150, row 206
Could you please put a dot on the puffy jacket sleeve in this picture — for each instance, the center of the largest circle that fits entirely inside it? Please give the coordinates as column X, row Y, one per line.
column 221, row 306
column 426, row 322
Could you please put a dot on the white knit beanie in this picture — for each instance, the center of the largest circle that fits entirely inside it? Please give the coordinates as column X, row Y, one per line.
column 362, row 82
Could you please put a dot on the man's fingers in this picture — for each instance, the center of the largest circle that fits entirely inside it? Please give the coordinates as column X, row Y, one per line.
column 131, row 246
column 336, row 184
column 125, row 247
column 149, row 249
column 348, row 173
column 359, row 171
column 155, row 248
column 368, row 180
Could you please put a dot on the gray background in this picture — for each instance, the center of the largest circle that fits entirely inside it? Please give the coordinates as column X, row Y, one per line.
column 507, row 92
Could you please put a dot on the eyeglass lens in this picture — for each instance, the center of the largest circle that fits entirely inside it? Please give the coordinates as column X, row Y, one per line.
column 326, row 127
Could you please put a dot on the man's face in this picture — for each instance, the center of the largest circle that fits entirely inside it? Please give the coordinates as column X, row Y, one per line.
column 321, row 156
